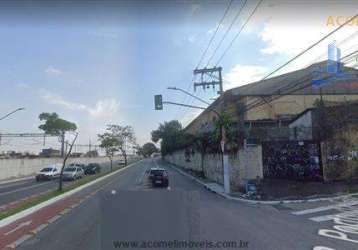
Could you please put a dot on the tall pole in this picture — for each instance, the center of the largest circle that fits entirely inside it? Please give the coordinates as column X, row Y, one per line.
column 63, row 144
column 215, row 75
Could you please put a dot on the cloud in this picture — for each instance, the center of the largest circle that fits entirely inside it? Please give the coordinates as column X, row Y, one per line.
column 105, row 108
column 288, row 34
column 50, row 70
column 191, row 38
column 243, row 74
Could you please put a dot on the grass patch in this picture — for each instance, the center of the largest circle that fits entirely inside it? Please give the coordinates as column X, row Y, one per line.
column 42, row 198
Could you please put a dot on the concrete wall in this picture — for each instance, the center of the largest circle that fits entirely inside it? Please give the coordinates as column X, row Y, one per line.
column 244, row 165
column 12, row 168
column 340, row 162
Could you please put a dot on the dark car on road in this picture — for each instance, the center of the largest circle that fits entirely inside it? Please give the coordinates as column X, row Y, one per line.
column 92, row 168
column 159, row 177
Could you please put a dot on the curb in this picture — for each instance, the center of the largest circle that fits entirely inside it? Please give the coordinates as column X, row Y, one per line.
column 267, row 202
column 13, row 218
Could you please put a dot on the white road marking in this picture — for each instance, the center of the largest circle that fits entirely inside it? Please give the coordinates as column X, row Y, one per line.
column 325, row 208
column 23, row 188
column 322, row 248
column 21, row 225
column 323, row 218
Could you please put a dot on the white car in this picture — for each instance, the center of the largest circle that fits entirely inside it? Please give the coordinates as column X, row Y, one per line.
column 73, row 173
column 49, row 173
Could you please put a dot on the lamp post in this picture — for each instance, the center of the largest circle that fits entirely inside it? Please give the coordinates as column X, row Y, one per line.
column 12, row 112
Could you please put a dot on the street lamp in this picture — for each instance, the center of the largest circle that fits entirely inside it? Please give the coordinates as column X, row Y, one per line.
column 7, row 115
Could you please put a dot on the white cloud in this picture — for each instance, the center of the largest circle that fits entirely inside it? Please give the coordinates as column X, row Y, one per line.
column 191, row 38
column 50, row 70
column 60, row 101
column 243, row 74
column 288, row 34
column 105, row 108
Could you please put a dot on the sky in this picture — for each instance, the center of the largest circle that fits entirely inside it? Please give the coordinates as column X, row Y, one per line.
column 101, row 62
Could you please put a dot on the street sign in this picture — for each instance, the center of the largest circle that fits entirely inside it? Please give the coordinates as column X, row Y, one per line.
column 158, row 102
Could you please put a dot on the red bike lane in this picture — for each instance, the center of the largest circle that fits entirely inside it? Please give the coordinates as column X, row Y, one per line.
column 11, row 233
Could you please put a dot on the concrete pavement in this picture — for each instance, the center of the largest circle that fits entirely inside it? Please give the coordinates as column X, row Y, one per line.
column 127, row 210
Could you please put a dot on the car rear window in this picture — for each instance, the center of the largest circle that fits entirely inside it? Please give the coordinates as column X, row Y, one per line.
column 70, row 169
column 157, row 172
column 46, row 170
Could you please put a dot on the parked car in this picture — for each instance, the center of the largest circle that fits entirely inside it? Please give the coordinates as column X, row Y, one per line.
column 73, row 173
column 159, row 177
column 49, row 173
column 92, row 168
column 81, row 165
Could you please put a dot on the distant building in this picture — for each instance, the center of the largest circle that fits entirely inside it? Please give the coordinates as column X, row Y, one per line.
column 76, row 154
column 50, row 152
column 92, row 153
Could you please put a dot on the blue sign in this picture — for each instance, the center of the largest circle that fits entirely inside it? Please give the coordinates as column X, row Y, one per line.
column 333, row 69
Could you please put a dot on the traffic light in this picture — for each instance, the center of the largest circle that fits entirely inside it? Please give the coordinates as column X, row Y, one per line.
column 158, row 102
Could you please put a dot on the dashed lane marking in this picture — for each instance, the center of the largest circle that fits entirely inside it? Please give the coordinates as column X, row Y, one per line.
column 53, row 219
column 39, row 229
column 19, row 241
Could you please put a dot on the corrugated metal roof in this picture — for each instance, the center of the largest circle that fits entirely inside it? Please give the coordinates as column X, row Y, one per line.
column 300, row 83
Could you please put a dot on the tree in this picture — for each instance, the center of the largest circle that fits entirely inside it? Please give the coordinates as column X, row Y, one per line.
column 169, row 134
column 116, row 139
column 54, row 125
column 148, row 149
column 64, row 162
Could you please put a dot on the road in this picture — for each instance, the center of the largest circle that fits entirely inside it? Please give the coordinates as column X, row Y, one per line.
column 127, row 210
column 15, row 191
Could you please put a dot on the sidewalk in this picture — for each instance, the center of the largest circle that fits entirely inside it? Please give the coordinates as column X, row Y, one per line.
column 218, row 189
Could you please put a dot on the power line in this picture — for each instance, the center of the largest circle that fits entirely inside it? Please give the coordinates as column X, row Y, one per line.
column 310, row 47
column 303, row 52
column 186, row 100
column 237, row 35
column 213, row 36
column 226, row 33
column 279, row 95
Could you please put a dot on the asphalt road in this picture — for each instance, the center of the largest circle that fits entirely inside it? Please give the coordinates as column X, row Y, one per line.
column 129, row 211
column 11, row 192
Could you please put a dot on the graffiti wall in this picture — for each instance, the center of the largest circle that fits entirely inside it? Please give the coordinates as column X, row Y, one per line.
column 291, row 160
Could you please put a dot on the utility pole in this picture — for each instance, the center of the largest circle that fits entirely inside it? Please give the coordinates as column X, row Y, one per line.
column 212, row 77
column 62, row 138
column 209, row 77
